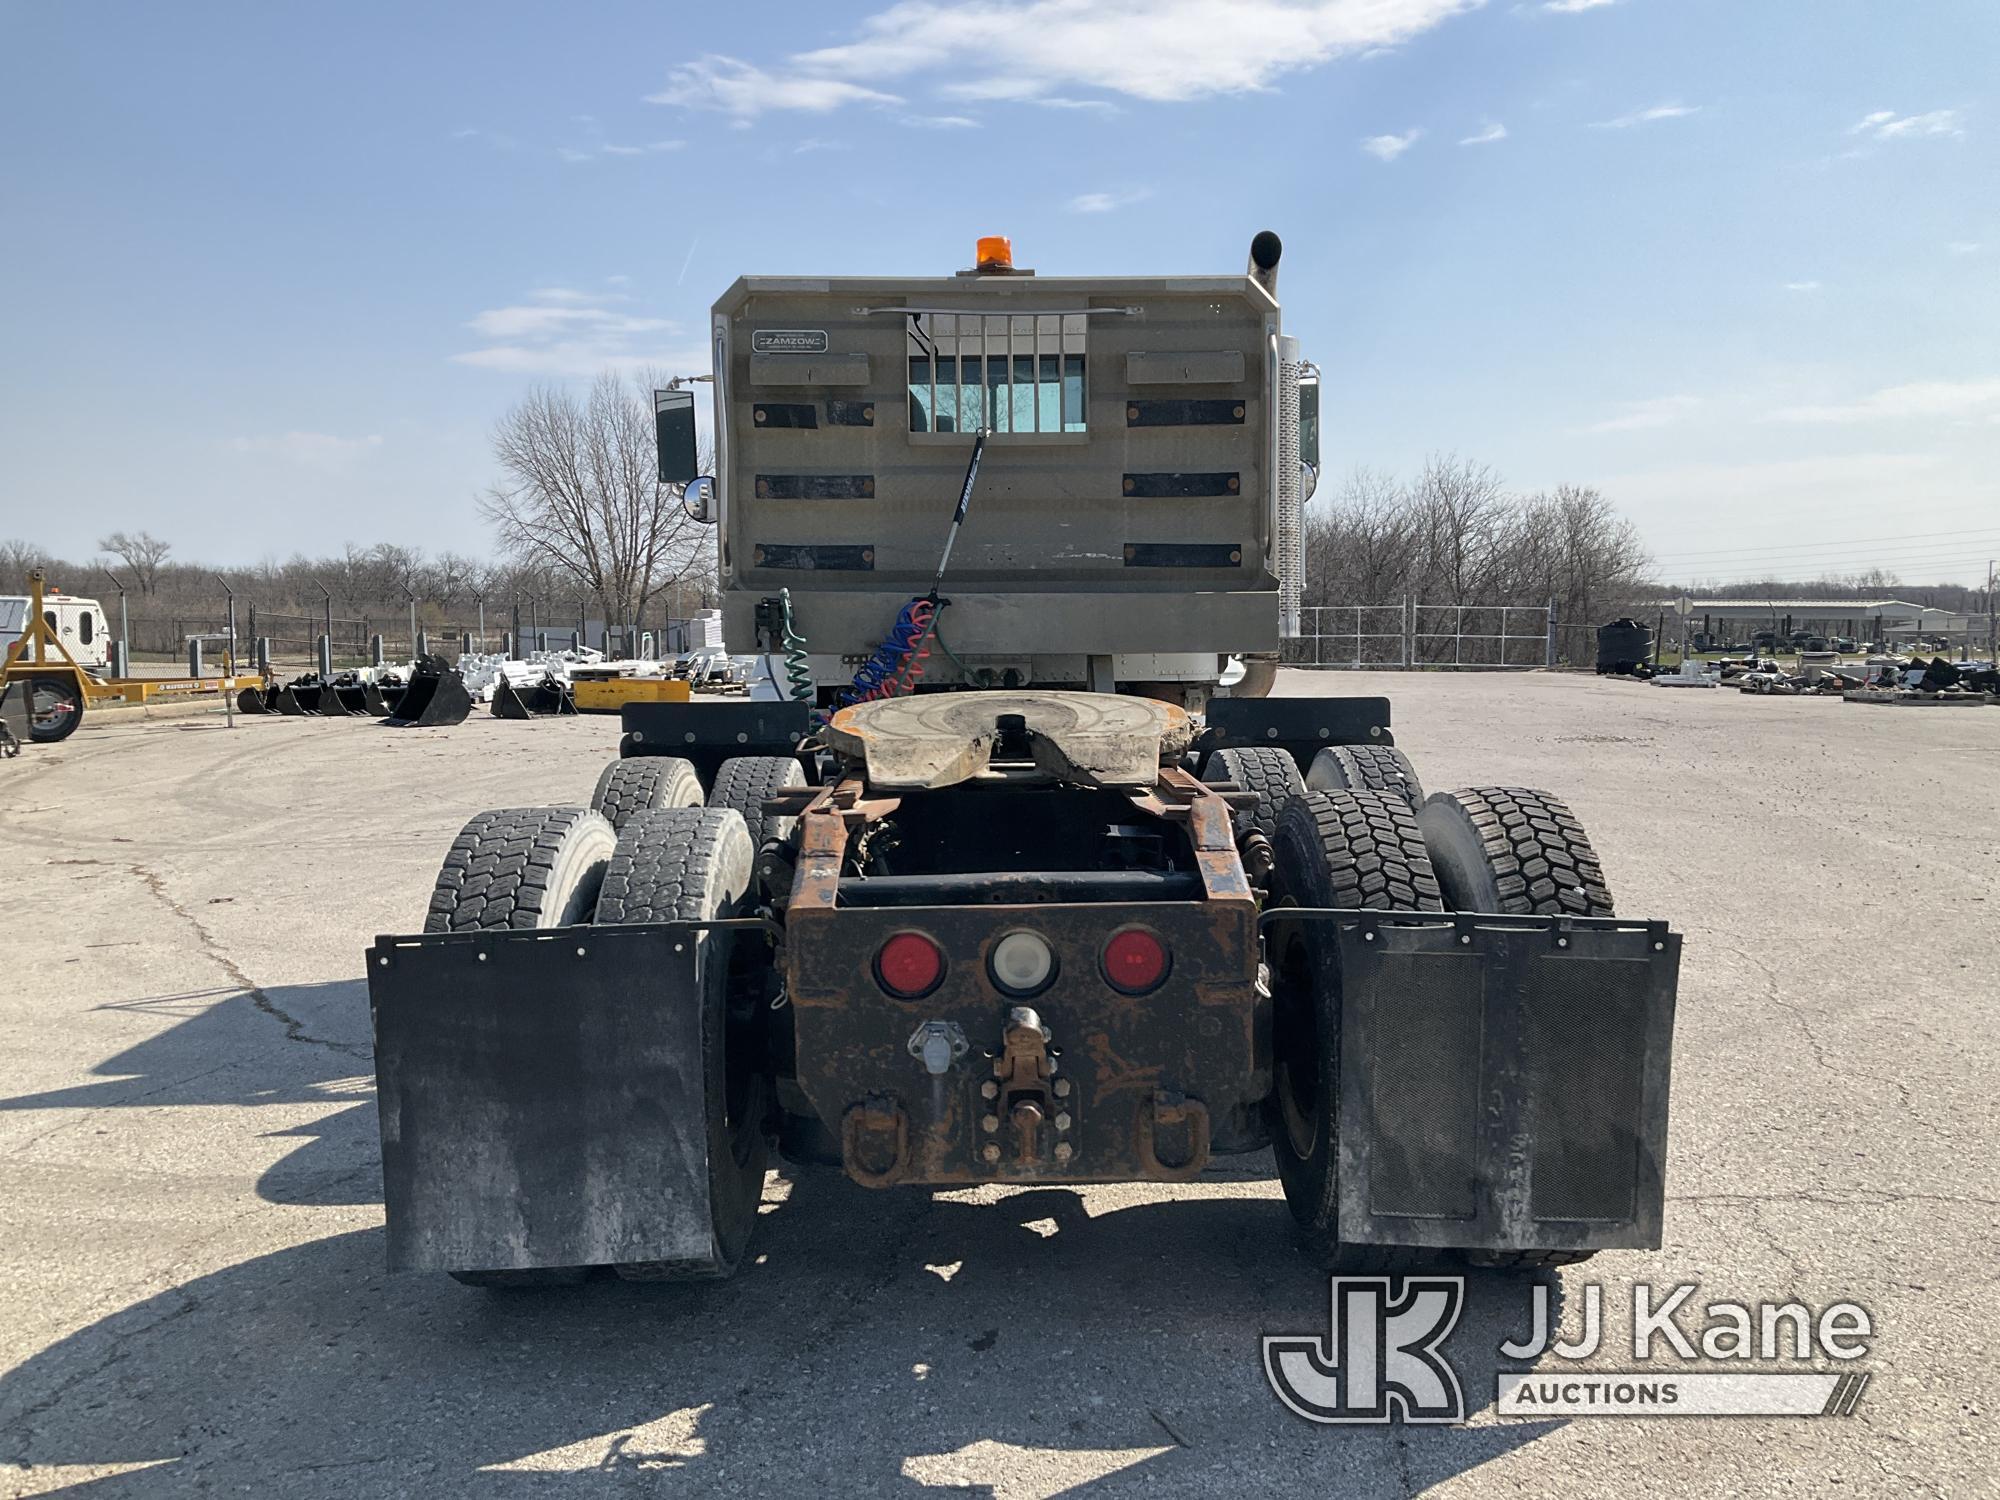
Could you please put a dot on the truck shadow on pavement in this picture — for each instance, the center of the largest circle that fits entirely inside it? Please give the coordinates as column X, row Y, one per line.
column 880, row 1343
column 288, row 1045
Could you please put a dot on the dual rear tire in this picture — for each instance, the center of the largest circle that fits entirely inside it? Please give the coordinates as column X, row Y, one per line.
column 1488, row 849
column 563, row 867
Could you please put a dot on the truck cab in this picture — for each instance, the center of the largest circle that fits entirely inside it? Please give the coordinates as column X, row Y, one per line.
column 79, row 623
column 1135, row 520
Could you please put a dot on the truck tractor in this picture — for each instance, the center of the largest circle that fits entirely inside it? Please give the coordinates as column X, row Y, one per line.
column 1012, row 876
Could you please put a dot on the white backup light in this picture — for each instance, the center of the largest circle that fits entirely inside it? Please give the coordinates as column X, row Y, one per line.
column 1022, row 962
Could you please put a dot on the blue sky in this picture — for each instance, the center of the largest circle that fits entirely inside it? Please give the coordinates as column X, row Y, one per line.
column 272, row 270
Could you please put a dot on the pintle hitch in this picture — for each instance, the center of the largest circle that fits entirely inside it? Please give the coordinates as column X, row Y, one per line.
column 1024, row 1098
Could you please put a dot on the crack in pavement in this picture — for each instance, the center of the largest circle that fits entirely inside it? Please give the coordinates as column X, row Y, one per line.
column 295, row 1030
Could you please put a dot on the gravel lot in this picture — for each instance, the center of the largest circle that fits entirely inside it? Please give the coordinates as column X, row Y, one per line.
column 192, row 1296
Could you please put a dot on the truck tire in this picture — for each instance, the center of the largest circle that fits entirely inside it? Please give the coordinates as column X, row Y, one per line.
column 522, row 867
column 1352, row 850
column 747, row 782
column 1510, row 849
column 626, row 786
column 692, row 864
column 1266, row 770
column 55, row 708
column 1365, row 768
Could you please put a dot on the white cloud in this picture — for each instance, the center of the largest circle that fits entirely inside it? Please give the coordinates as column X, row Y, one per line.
column 310, row 450
column 1104, row 203
column 1056, row 101
column 537, row 322
column 651, row 148
column 737, row 88
column 1488, row 135
column 1672, row 110
column 1571, row 7
column 564, row 331
column 1643, row 416
column 1802, row 286
column 814, row 143
column 1963, row 400
column 1887, row 125
column 1389, row 147
column 939, row 122
column 1160, row 50
column 1962, row 247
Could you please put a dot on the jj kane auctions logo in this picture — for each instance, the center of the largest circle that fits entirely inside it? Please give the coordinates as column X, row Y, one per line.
column 1382, row 1357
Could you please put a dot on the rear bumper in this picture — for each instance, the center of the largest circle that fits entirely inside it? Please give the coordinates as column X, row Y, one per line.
column 1142, row 1087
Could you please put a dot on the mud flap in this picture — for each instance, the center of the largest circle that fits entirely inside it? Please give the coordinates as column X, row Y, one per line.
column 1504, row 1080
column 435, row 697
column 541, row 1098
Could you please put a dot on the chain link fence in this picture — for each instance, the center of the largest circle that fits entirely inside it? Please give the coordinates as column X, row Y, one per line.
column 1409, row 634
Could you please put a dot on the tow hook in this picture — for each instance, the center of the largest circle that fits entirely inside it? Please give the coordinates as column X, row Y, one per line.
column 1024, row 1095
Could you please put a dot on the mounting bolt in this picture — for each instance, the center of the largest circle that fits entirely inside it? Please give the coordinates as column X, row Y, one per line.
column 991, row 1153
column 1465, row 938
column 1374, row 731
column 1367, row 937
column 990, row 1124
column 1562, row 942
column 1062, row 1120
column 1061, row 1086
column 1064, row 1151
column 989, row 1090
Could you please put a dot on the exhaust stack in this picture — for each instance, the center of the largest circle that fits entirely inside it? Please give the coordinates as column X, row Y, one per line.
column 1264, row 252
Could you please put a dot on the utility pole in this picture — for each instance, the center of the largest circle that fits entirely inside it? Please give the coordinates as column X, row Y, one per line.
column 1992, row 618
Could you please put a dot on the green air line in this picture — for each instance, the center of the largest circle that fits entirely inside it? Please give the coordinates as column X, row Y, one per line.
column 798, row 669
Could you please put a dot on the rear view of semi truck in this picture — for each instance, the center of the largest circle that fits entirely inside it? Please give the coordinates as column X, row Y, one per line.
column 1010, row 875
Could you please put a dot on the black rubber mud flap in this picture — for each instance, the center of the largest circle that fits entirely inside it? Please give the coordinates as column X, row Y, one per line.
column 541, row 1103
column 1504, row 1080
column 435, row 697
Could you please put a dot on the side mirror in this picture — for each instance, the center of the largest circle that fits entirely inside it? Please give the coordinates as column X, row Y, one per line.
column 698, row 500
column 673, row 422
column 1309, row 420
column 1308, row 481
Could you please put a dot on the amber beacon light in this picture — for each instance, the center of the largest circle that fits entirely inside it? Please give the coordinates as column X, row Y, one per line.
column 995, row 253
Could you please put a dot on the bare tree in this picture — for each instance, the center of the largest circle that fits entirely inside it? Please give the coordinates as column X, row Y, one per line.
column 582, row 492
column 142, row 552
column 17, row 560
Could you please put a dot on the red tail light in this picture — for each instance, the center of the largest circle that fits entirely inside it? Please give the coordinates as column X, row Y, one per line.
column 1135, row 961
column 909, row 965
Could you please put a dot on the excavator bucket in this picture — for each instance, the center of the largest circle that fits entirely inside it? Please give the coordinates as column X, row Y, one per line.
column 522, row 1133
column 297, row 699
column 435, row 697
column 348, row 698
column 380, row 698
column 548, row 697
column 254, row 700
